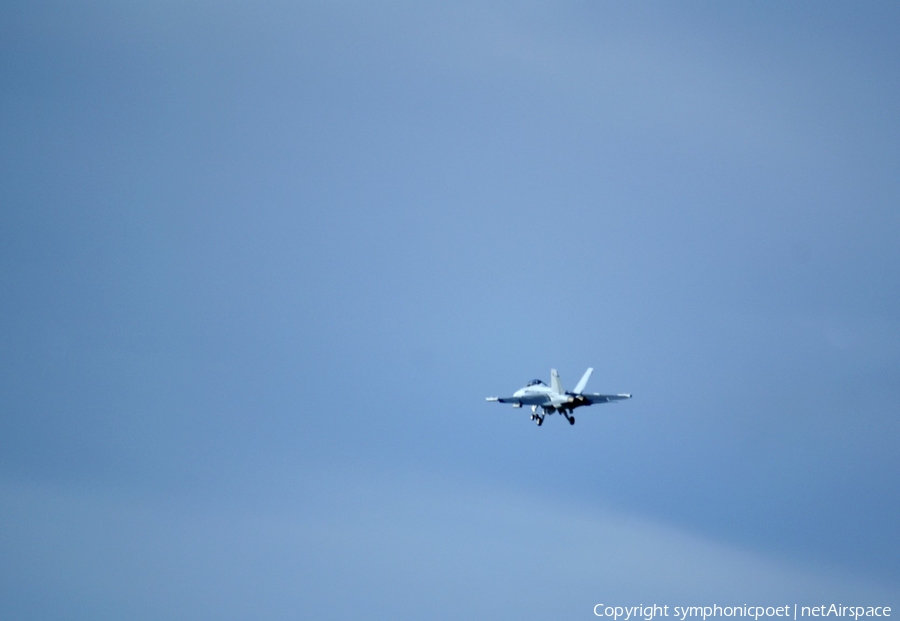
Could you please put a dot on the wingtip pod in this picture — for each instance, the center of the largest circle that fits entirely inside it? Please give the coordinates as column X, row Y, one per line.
column 626, row 396
column 492, row 399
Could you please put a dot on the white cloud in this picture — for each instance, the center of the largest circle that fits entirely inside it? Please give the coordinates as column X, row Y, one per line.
column 377, row 546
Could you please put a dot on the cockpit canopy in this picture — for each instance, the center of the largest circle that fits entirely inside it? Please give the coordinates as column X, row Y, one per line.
column 536, row 382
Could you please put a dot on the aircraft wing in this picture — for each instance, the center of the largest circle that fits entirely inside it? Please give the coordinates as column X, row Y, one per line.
column 505, row 400
column 520, row 401
column 595, row 398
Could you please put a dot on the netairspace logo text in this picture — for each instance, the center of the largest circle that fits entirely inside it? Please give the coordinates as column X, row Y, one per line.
column 648, row 613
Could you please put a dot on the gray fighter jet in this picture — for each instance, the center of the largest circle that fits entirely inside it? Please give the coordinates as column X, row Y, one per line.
column 553, row 398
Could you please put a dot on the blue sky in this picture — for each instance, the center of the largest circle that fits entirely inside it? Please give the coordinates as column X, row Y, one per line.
column 262, row 262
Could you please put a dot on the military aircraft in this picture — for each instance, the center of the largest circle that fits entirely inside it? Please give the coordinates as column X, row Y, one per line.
column 553, row 398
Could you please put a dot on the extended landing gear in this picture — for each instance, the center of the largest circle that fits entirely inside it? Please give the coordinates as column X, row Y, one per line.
column 571, row 420
column 540, row 420
column 569, row 417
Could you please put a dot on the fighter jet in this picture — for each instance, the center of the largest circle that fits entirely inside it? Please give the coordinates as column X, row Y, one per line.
column 553, row 398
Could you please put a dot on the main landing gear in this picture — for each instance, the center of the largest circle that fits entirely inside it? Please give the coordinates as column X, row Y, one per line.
column 539, row 418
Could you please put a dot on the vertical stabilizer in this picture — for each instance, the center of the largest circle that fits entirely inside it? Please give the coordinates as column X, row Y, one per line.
column 583, row 382
column 555, row 384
